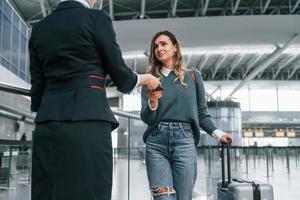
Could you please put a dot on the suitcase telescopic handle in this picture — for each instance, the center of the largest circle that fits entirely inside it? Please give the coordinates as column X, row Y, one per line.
column 223, row 164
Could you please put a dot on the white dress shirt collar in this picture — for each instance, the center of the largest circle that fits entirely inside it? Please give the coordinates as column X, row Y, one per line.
column 85, row 3
column 165, row 71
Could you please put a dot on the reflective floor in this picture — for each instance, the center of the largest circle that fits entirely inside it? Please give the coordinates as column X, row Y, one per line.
column 18, row 188
column 285, row 181
column 283, row 174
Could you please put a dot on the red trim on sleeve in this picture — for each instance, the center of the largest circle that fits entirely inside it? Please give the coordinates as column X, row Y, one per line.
column 97, row 87
column 96, row 76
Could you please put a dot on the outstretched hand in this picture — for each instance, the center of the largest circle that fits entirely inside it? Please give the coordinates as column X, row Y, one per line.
column 150, row 81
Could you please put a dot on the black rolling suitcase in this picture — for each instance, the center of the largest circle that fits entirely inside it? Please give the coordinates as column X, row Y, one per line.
column 239, row 189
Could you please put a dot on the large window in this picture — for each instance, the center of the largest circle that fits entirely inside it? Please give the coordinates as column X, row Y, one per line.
column 289, row 100
column 243, row 96
column 13, row 41
column 0, row 28
column 7, row 9
column 6, row 38
column 264, row 99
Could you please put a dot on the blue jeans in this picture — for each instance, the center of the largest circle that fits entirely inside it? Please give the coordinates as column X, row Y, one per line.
column 171, row 161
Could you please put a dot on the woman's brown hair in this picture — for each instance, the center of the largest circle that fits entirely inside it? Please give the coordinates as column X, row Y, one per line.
column 155, row 65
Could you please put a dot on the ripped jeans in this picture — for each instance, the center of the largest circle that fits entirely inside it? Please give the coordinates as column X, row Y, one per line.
column 171, row 161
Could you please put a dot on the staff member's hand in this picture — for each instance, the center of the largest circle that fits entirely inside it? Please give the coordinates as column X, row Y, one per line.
column 149, row 80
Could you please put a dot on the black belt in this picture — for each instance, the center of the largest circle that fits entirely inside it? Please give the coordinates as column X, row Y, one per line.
column 173, row 123
column 82, row 81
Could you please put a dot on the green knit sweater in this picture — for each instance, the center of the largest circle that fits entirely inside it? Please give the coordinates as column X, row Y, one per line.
column 179, row 103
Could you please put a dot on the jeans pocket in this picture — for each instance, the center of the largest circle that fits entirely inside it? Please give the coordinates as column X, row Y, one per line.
column 187, row 132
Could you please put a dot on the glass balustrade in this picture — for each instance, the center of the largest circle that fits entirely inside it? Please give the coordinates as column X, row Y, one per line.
column 277, row 165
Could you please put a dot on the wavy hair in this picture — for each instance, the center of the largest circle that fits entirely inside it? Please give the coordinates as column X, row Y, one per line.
column 155, row 65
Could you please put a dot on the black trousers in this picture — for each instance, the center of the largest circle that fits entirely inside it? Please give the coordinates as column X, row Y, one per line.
column 72, row 161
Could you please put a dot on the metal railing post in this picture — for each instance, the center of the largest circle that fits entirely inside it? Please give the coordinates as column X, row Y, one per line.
column 287, row 160
column 272, row 158
column 9, row 166
column 128, row 155
column 247, row 157
column 254, row 156
column 267, row 161
column 209, row 160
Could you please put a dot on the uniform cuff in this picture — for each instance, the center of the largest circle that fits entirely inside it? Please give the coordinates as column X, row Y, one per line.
column 137, row 83
column 33, row 114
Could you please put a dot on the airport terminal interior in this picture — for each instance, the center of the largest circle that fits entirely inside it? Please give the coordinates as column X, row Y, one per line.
column 248, row 52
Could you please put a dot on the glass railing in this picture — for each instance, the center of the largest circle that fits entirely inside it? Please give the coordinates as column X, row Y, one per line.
column 15, row 163
column 277, row 165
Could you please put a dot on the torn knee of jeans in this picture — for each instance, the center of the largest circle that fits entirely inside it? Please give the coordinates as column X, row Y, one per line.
column 157, row 191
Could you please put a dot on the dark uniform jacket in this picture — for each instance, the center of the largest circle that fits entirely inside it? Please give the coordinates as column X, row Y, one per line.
column 71, row 52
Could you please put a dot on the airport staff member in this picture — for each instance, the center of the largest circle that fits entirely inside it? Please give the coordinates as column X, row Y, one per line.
column 72, row 51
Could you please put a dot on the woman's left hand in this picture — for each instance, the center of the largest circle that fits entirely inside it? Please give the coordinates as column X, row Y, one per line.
column 226, row 139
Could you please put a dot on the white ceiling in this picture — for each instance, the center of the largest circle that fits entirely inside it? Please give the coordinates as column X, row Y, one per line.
column 234, row 49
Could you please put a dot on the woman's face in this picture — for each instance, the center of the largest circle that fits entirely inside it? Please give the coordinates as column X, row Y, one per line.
column 164, row 49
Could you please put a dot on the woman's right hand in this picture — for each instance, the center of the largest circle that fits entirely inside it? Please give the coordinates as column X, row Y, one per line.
column 154, row 96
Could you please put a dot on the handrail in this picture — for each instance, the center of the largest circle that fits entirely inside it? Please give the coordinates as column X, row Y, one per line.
column 28, row 118
column 126, row 114
column 14, row 89
column 26, row 92
column 29, row 143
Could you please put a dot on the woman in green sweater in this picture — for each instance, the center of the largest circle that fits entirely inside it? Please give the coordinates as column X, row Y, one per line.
column 174, row 116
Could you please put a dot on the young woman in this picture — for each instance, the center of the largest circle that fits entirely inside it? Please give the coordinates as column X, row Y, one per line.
column 174, row 116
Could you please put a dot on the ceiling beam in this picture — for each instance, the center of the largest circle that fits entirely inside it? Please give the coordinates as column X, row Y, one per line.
column 188, row 60
column 204, row 7
column 213, row 92
column 31, row 22
column 100, row 4
column 235, row 7
column 34, row 16
column 220, row 61
column 274, row 11
column 185, row 4
column 159, row 4
column 189, row 10
column 17, row 7
column 235, row 63
column 143, row 7
column 50, row 7
column 120, row 5
column 296, row 66
column 134, row 64
column 203, row 62
column 31, row 19
column 283, row 65
column 174, row 8
column 263, row 65
column 263, row 10
column 197, row 9
column 43, row 9
column 252, row 63
column 111, row 9
column 295, row 6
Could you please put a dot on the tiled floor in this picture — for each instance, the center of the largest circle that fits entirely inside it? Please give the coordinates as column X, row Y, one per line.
column 286, row 182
